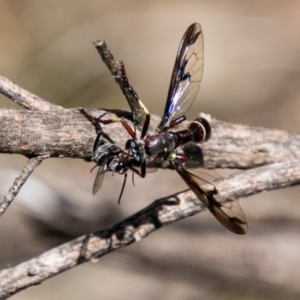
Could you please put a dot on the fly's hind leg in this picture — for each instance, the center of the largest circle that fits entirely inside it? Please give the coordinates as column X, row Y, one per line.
column 97, row 121
column 130, row 89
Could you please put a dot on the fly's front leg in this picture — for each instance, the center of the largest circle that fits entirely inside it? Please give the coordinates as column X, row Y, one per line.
column 96, row 122
column 142, row 171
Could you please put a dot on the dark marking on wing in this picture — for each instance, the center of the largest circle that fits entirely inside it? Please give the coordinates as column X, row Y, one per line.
column 230, row 214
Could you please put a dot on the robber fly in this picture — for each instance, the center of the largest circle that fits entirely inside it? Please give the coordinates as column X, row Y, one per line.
column 162, row 146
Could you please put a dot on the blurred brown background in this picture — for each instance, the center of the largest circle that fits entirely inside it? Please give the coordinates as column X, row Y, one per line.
column 251, row 76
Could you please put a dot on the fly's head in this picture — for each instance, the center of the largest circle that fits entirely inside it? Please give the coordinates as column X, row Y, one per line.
column 136, row 152
column 116, row 159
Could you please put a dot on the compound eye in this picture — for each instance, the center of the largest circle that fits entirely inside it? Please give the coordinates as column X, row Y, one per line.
column 131, row 144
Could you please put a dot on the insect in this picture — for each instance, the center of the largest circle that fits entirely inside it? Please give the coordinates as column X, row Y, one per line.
column 162, row 146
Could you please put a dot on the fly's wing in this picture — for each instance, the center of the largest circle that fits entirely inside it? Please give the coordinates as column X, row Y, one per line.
column 186, row 76
column 99, row 178
column 230, row 214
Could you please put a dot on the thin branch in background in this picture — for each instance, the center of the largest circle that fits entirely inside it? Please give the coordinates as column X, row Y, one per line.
column 23, row 97
column 138, row 226
column 30, row 166
column 30, row 102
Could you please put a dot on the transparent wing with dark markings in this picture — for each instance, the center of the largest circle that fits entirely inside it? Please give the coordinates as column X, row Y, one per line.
column 186, row 76
column 229, row 213
column 99, row 178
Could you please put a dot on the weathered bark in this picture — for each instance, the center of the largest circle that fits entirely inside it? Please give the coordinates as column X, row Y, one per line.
column 47, row 130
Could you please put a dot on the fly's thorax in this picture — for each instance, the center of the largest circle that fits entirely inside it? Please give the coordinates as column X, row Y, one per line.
column 135, row 151
column 160, row 145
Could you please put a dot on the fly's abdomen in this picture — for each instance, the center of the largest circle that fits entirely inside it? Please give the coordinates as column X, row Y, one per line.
column 162, row 145
column 200, row 129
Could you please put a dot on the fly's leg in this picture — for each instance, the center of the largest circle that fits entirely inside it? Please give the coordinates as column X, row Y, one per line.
column 130, row 89
column 179, row 158
column 97, row 121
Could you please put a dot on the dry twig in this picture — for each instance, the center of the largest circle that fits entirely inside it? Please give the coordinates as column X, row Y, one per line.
column 18, row 183
column 37, row 130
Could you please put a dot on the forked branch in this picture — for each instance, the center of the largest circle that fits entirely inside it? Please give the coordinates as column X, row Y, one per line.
column 66, row 133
